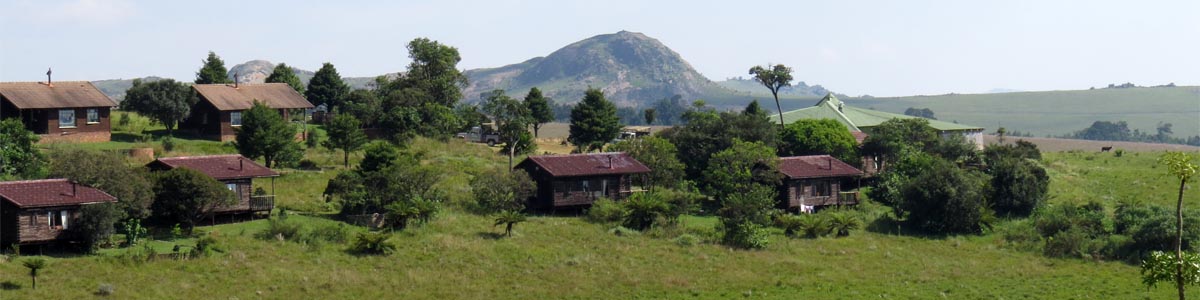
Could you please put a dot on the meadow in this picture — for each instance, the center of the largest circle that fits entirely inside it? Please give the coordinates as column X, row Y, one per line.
column 461, row 255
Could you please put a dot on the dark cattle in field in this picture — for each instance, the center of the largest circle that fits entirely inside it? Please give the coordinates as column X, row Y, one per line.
column 1105, row 149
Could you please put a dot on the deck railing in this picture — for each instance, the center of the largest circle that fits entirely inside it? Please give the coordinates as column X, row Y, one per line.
column 846, row 198
column 262, row 203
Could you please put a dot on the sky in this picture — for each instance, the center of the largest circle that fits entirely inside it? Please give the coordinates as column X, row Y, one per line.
column 879, row 48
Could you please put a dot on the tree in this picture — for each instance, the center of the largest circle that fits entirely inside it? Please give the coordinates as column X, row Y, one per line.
column 265, row 134
column 945, row 200
column 108, row 172
column 642, row 209
column 213, row 71
column 1018, row 186
column 95, row 223
column 539, row 109
column 364, row 105
column 744, row 216
column 920, row 112
column 824, row 136
column 34, row 264
column 345, row 133
column 658, row 154
column 650, row 114
column 165, row 101
column 186, row 196
column 512, row 119
column 594, row 121
column 774, row 78
column 708, row 132
column 326, row 87
column 19, row 155
column 887, row 139
column 509, row 218
column 379, row 155
column 434, row 70
column 284, row 74
column 1180, row 165
column 497, row 190
column 740, row 168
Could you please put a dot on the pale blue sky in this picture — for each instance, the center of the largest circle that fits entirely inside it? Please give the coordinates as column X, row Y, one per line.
column 880, row 48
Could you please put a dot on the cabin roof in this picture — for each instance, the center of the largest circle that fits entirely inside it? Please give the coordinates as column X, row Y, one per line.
column 51, row 192
column 242, row 96
column 220, row 167
column 856, row 119
column 60, row 94
column 588, row 164
column 816, row 166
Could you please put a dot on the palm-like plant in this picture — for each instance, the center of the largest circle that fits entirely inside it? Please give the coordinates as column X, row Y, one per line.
column 373, row 243
column 400, row 212
column 791, row 224
column 814, row 226
column 424, row 209
column 509, row 218
column 34, row 264
column 843, row 223
column 643, row 209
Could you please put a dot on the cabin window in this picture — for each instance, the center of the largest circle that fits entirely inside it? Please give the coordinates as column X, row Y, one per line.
column 204, row 119
column 604, row 187
column 93, row 116
column 66, row 118
column 235, row 118
column 821, row 188
column 57, row 219
column 33, row 219
column 234, row 188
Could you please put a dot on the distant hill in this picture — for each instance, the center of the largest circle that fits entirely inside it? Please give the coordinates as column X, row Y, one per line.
column 631, row 68
column 749, row 86
column 115, row 88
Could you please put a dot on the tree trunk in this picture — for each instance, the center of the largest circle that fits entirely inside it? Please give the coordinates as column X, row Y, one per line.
column 536, row 126
column 1179, row 241
column 512, row 151
column 780, row 110
column 508, row 230
column 34, row 279
column 346, row 158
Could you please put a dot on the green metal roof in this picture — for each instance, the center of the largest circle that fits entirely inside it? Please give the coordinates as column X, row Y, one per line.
column 857, row 118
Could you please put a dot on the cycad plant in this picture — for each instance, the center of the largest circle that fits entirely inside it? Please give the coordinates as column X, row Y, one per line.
column 509, row 218
column 373, row 243
column 34, row 264
column 843, row 223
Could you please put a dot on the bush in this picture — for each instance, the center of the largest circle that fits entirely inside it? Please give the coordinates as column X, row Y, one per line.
column 376, row 243
column 1022, row 235
column 746, row 235
column 623, row 231
column 206, row 245
column 331, row 233
column 282, row 230
column 643, row 209
column 842, row 223
column 1074, row 242
column 1088, row 218
column 95, row 223
column 686, row 240
column 1018, row 186
column 945, row 200
column 307, row 164
column 791, row 224
column 814, row 226
column 499, row 189
column 168, row 144
column 605, row 210
column 312, row 139
column 679, row 201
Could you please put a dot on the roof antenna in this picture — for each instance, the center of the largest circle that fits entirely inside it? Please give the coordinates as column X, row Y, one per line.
column 48, row 82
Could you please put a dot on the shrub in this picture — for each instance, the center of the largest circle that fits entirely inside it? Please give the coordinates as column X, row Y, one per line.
column 1073, row 242
column 307, row 164
column 791, row 224
column 95, row 223
column 282, row 230
column 1022, row 235
column 376, row 243
column 206, row 245
column 945, row 200
column 746, row 235
column 623, row 231
column 679, row 201
column 605, row 210
column 133, row 231
column 331, row 233
column 1018, row 186
column 642, row 209
column 509, row 218
column 814, row 226
column 312, row 139
column 1089, row 219
column 498, row 189
column 842, row 223
column 686, row 240
column 168, row 144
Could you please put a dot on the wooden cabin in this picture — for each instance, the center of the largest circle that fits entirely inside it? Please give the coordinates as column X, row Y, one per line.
column 43, row 211
column 577, row 180
column 70, row 111
column 814, row 181
column 219, row 110
column 233, row 170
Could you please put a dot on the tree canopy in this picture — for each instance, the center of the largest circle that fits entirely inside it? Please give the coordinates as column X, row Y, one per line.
column 656, row 153
column 107, row 172
column 824, row 136
column 265, row 134
column 434, row 70
column 19, row 155
column 284, row 74
column 213, row 71
column 707, row 131
column 186, row 196
column 345, row 133
column 594, row 121
column 164, row 100
column 774, row 78
column 539, row 109
column 326, row 87
column 512, row 119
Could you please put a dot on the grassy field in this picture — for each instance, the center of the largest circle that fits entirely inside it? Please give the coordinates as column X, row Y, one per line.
column 460, row 255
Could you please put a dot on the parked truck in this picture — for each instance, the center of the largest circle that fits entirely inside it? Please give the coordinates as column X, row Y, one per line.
column 480, row 134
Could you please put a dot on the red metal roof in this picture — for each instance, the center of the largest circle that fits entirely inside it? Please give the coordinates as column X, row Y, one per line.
column 816, row 166
column 859, row 136
column 220, row 167
column 51, row 192
column 588, row 164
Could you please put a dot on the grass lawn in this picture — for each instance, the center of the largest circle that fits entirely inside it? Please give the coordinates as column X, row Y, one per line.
column 460, row 255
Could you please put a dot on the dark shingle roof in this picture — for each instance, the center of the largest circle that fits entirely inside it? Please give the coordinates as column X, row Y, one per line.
column 274, row 95
column 220, row 167
column 587, row 164
column 816, row 166
column 51, row 192
column 63, row 94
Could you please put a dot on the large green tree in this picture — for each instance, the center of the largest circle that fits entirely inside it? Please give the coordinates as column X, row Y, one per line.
column 434, row 69
column 774, row 78
column 889, row 138
column 213, row 71
column 594, row 121
column 108, row 172
column 265, row 134
column 739, row 168
column 284, row 74
column 1018, row 186
column 326, row 87
column 95, row 223
column 657, row 153
column 19, row 155
column 165, row 101
column 512, row 120
column 708, row 132
column 824, row 136
column 945, row 200
column 345, row 133
column 539, row 109
column 186, row 196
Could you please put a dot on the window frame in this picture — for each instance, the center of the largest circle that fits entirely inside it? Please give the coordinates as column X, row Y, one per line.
column 73, row 123
column 238, row 119
column 93, row 112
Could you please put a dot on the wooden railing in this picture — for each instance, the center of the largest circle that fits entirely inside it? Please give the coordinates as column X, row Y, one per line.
column 262, row 203
column 845, row 198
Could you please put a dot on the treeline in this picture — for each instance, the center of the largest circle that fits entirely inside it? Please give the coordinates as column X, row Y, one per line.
column 665, row 111
column 1119, row 131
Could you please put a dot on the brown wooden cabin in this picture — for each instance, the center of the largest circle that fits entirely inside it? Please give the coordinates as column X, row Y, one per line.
column 577, row 180
column 43, row 211
column 813, row 181
column 233, row 170
column 220, row 108
column 72, row 111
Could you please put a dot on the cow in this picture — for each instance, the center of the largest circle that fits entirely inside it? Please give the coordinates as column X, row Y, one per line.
column 1105, row 149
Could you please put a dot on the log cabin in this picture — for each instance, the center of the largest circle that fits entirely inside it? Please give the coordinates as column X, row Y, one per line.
column 814, row 181
column 65, row 111
column 237, row 173
column 43, row 211
column 577, row 180
column 218, row 113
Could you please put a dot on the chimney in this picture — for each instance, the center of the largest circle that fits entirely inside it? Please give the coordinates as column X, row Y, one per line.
column 830, row 161
column 610, row 158
column 48, row 82
column 74, row 186
column 235, row 80
column 241, row 164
